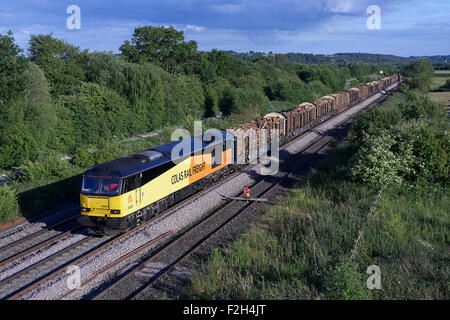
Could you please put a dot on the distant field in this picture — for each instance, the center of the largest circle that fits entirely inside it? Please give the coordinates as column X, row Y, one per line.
column 442, row 72
column 439, row 79
column 442, row 97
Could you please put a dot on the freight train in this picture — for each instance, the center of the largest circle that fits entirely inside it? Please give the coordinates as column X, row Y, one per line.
column 121, row 194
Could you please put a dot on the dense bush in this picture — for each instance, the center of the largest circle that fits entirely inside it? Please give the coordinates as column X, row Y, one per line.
column 86, row 157
column 107, row 70
column 13, row 66
column 17, row 145
column 420, row 106
column 405, row 143
column 62, row 98
column 429, row 148
column 95, row 113
column 106, row 151
column 371, row 121
column 39, row 112
column 48, row 169
column 288, row 89
column 83, row 158
column 238, row 100
column 211, row 101
column 333, row 77
column 316, row 90
column 9, row 207
column 345, row 282
column 191, row 91
column 419, row 74
column 62, row 62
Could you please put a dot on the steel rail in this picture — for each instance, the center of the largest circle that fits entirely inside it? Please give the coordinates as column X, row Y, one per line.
column 36, row 234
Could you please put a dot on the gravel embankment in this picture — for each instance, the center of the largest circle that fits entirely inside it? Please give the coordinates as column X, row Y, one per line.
column 36, row 224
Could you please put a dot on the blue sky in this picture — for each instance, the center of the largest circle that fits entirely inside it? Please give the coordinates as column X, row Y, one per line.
column 408, row 27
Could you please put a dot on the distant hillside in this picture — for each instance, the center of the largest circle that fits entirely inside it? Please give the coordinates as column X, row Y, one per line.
column 339, row 58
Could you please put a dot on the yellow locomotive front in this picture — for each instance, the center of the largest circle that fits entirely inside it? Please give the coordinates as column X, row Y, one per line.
column 101, row 202
column 101, row 197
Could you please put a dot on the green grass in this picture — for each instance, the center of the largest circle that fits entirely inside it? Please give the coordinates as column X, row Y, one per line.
column 301, row 248
column 437, row 82
column 441, row 97
column 439, row 79
column 292, row 254
column 446, row 72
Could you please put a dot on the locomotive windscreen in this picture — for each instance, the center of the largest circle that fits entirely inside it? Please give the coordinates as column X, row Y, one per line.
column 101, row 186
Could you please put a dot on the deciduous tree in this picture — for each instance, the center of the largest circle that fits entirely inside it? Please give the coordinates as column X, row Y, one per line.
column 161, row 46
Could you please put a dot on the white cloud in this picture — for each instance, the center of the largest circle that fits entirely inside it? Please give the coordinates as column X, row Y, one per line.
column 342, row 6
column 193, row 27
column 228, row 8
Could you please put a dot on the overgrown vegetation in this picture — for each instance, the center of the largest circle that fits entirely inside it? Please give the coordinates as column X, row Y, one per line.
column 9, row 206
column 419, row 74
column 61, row 100
column 345, row 58
column 302, row 249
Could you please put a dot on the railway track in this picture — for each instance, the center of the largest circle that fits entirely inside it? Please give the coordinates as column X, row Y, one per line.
column 15, row 286
column 44, row 269
column 38, row 246
column 29, row 276
column 229, row 210
column 36, row 240
column 168, row 258
column 45, row 220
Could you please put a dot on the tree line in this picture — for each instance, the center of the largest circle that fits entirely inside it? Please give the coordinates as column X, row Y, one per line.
column 59, row 98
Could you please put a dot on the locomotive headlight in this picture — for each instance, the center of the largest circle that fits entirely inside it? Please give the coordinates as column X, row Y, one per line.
column 85, row 209
column 115, row 211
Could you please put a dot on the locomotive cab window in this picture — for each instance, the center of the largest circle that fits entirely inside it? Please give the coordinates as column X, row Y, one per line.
column 110, row 186
column 90, row 185
column 101, row 186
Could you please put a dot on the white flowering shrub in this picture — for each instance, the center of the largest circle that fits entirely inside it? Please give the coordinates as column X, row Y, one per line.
column 375, row 164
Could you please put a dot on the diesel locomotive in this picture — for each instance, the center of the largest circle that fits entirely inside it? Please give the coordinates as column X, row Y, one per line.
column 120, row 194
